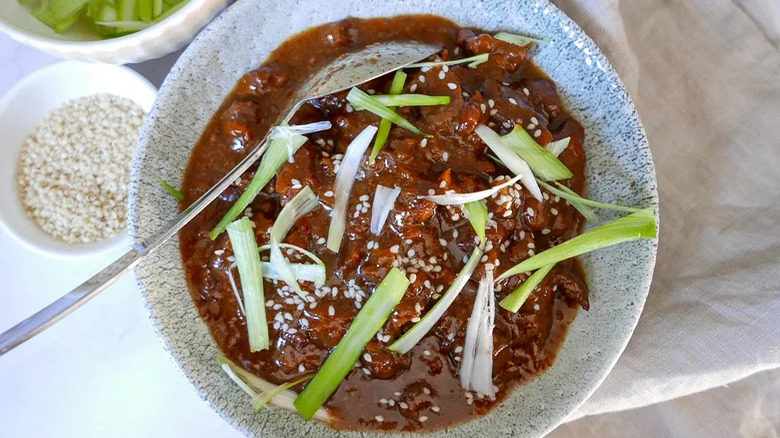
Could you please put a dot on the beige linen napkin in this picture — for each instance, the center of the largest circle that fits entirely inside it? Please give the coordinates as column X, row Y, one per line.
column 705, row 76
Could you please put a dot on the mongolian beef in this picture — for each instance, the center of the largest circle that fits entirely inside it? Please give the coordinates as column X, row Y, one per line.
column 375, row 267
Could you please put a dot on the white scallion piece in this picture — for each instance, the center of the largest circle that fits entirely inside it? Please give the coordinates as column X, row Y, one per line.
column 343, row 186
column 510, row 159
column 384, row 200
column 256, row 387
column 299, row 206
column 465, row 198
column 472, row 61
column 413, row 336
column 307, row 272
column 558, row 146
column 242, row 239
column 520, row 40
column 476, row 370
column 543, row 163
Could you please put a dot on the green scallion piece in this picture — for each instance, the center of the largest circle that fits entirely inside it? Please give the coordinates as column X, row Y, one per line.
column 477, row 214
column 473, row 62
column 59, row 14
column 396, row 87
column 145, row 10
column 362, row 101
column 520, row 40
column 411, row 99
column 279, row 150
column 572, row 196
column 542, row 162
column 424, row 325
column 172, row 190
column 364, row 327
column 265, row 397
column 638, row 225
column 242, row 239
column 514, row 301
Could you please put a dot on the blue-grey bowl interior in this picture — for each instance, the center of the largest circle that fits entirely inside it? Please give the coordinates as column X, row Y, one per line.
column 619, row 170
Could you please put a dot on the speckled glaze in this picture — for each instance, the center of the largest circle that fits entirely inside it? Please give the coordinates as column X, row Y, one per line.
column 619, row 169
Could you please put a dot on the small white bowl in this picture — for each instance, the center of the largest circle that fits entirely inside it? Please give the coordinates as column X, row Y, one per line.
column 158, row 40
column 24, row 107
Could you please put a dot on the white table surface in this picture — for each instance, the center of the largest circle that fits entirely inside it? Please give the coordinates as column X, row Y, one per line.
column 101, row 371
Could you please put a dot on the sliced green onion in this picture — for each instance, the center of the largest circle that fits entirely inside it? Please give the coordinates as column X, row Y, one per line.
column 126, row 24
column 473, row 62
column 543, row 163
column 145, row 10
column 384, row 125
column 362, row 101
column 59, row 14
column 157, row 8
column 514, row 301
column 411, row 99
column 638, row 225
column 384, row 200
column 299, row 206
column 572, row 196
column 301, row 272
column 510, row 159
column 343, row 185
column 273, row 158
column 476, row 370
column 303, row 251
column 364, row 327
column 242, row 238
column 251, row 384
column 558, row 146
column 477, row 213
column 464, row 198
column 264, row 398
column 172, row 190
column 520, row 40
column 424, row 325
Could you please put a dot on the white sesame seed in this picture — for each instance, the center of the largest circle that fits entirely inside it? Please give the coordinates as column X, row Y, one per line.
column 512, row 101
column 435, row 408
column 554, row 211
column 403, row 405
column 491, row 103
column 545, row 231
column 397, row 393
column 431, row 192
column 458, row 349
column 421, row 78
column 366, row 371
column 379, row 418
column 537, row 133
column 394, row 249
column 537, row 307
column 415, row 319
column 451, row 85
column 442, row 242
column 331, row 311
column 427, row 353
column 426, row 390
column 413, row 88
column 527, row 93
column 367, row 357
column 301, row 368
column 534, row 120
column 423, row 419
column 445, row 156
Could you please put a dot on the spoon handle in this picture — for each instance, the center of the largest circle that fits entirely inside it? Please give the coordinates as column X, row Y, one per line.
column 57, row 310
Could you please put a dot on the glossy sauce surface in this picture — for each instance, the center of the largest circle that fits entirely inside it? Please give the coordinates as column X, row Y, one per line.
column 420, row 389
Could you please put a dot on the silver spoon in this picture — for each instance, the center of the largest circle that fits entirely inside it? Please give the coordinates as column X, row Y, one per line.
column 345, row 72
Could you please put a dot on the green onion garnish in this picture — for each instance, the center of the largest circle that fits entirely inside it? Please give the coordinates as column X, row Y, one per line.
column 172, row 190
column 473, row 62
column 277, row 153
column 384, row 126
column 363, row 328
column 145, row 10
column 638, row 225
column 477, row 213
column 299, row 206
column 558, row 146
column 543, row 163
column 59, row 14
column 520, row 40
column 514, row 301
column 242, row 238
column 301, row 272
column 264, row 398
column 362, row 101
column 411, row 99
column 252, row 385
column 572, row 196
column 424, row 325
column 509, row 158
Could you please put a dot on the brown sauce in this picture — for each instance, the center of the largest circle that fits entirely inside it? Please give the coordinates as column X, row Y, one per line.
column 418, row 390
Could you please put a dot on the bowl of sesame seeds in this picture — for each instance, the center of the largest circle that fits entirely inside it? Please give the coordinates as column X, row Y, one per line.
column 70, row 132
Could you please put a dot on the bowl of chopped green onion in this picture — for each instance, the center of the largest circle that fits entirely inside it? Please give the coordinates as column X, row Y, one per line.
column 110, row 31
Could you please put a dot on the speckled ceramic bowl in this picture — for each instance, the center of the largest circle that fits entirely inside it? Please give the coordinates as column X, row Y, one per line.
column 619, row 169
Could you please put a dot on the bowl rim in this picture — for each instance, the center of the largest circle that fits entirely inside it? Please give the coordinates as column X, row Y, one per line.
column 642, row 287
column 44, row 243
column 152, row 31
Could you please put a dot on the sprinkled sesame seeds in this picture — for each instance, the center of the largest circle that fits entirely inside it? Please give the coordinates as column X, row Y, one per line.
column 413, row 88
column 545, row 231
column 423, row 419
column 537, row 133
column 403, row 405
column 494, row 111
column 435, row 408
column 424, row 142
column 512, row 101
column 394, row 249
column 530, row 211
column 554, row 211
column 301, row 368
column 379, row 418
column 441, row 74
column 421, row 78
column 445, row 156
column 451, row 85
column 331, row 311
